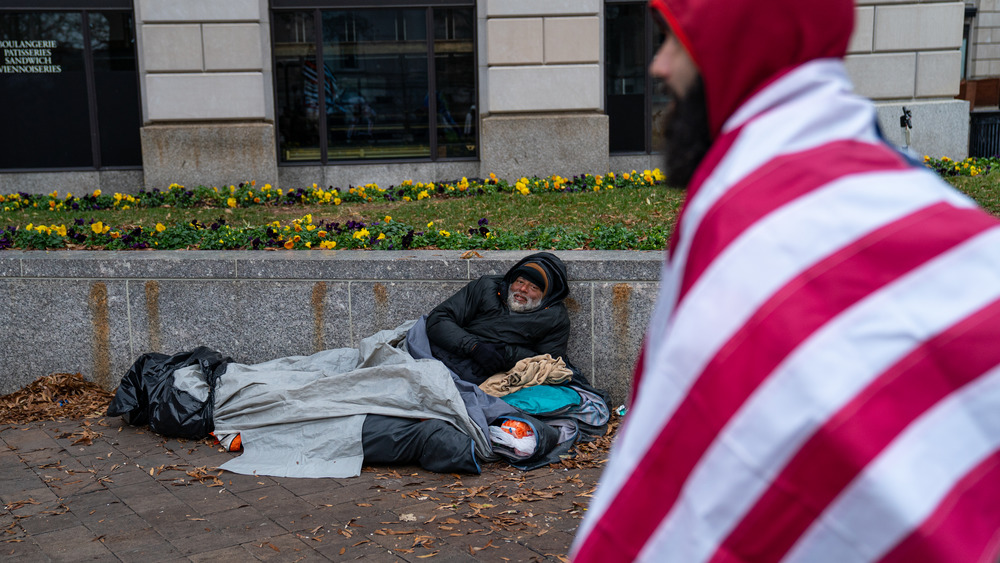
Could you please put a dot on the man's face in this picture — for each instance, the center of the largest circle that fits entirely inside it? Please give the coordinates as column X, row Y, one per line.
column 686, row 134
column 523, row 296
column 673, row 66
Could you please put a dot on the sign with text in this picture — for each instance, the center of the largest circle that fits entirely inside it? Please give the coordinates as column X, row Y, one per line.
column 33, row 57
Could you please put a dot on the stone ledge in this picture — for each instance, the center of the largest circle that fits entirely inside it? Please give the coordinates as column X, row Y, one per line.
column 583, row 265
column 95, row 312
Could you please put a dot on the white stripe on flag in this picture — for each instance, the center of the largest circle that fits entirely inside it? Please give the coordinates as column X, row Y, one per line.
column 802, row 394
column 741, row 279
column 916, row 471
column 829, row 108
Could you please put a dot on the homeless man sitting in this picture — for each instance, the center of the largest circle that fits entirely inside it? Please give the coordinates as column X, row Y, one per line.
column 496, row 321
column 483, row 377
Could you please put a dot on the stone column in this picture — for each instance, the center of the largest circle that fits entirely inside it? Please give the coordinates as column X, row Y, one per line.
column 541, row 88
column 985, row 41
column 207, row 99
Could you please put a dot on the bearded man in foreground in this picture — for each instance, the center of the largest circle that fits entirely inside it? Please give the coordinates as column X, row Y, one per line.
column 820, row 379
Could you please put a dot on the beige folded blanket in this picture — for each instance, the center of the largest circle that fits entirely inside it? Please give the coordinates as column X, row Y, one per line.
column 536, row 370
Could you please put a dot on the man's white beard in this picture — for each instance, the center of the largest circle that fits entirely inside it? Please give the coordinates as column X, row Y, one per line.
column 526, row 307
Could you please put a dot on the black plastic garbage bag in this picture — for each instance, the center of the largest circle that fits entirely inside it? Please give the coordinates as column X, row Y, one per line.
column 147, row 394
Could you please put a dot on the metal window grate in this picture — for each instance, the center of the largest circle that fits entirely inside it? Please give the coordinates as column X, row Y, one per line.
column 984, row 133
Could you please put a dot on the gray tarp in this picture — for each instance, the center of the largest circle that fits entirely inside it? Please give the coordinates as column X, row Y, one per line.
column 301, row 416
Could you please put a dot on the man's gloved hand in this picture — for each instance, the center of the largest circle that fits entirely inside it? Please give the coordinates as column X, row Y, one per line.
column 489, row 356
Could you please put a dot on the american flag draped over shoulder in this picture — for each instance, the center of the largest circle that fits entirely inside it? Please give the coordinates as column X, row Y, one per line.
column 820, row 380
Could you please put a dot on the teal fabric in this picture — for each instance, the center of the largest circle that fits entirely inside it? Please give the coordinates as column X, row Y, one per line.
column 539, row 399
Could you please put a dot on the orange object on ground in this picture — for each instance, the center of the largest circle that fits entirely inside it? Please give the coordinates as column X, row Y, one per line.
column 517, row 428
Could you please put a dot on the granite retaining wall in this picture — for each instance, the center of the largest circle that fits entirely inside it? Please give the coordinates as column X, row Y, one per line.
column 95, row 312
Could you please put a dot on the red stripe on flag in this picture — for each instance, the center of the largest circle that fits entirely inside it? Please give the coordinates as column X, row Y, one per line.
column 775, row 330
column 777, row 183
column 834, row 456
column 965, row 525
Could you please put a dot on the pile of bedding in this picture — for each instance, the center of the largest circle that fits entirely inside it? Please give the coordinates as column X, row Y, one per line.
column 387, row 401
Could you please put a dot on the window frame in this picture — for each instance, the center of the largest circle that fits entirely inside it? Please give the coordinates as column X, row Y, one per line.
column 317, row 7
column 649, row 87
column 66, row 5
column 85, row 9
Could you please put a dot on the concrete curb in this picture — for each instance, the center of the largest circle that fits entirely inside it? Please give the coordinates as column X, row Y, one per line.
column 95, row 312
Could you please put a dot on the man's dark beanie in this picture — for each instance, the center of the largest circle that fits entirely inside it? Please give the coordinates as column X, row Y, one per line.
column 535, row 273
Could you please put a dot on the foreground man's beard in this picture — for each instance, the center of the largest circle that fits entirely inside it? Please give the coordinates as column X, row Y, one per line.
column 686, row 137
column 527, row 306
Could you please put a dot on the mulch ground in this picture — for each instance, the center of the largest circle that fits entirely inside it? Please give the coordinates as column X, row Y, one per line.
column 54, row 397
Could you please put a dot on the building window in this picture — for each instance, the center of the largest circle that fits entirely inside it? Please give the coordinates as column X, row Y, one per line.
column 69, row 90
column 632, row 101
column 375, row 83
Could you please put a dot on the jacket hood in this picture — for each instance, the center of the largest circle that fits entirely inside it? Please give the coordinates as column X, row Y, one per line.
column 740, row 46
column 558, row 285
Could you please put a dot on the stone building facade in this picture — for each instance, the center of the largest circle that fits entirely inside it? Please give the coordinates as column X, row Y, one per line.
column 341, row 92
column 910, row 54
column 983, row 39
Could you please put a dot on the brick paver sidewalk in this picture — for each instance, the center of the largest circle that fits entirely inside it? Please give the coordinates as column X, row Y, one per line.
column 100, row 490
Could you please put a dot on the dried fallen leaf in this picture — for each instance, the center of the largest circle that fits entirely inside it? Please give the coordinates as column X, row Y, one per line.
column 20, row 504
column 473, row 550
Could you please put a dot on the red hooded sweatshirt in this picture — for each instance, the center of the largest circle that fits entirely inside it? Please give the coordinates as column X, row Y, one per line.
column 740, row 46
column 820, row 379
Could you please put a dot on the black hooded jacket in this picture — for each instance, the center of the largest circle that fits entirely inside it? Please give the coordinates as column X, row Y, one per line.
column 479, row 313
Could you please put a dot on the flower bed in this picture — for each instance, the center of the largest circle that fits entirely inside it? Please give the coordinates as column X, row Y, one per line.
column 302, row 233
column 971, row 166
column 385, row 234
